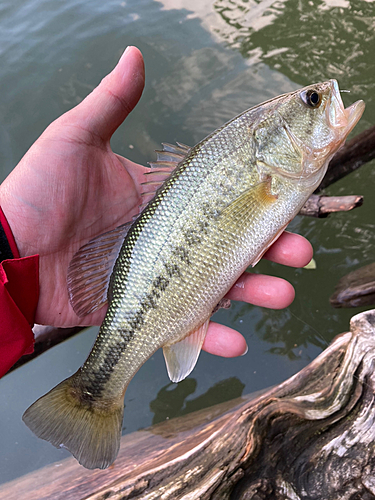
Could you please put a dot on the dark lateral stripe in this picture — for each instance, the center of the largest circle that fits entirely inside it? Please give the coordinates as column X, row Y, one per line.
column 96, row 382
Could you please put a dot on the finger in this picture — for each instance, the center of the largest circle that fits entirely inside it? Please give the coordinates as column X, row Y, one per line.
column 263, row 291
column 223, row 341
column 290, row 250
column 103, row 111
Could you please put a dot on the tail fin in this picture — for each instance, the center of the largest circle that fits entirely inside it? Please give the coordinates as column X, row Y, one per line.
column 89, row 429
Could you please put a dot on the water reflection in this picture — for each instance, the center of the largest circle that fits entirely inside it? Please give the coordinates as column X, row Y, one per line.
column 332, row 38
column 171, row 401
column 209, row 86
column 287, row 331
column 253, row 15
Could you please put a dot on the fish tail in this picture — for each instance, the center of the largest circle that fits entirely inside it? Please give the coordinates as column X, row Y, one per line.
column 69, row 417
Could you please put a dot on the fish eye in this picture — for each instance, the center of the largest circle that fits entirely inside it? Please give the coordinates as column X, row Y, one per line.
column 312, row 98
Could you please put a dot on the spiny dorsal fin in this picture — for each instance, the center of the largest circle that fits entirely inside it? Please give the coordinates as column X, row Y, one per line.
column 181, row 149
column 162, row 169
column 172, row 153
column 181, row 357
column 168, row 156
column 91, row 268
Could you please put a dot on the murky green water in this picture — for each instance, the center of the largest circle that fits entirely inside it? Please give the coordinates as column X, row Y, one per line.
column 206, row 61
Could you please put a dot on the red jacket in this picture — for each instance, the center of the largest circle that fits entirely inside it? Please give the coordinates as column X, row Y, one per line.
column 19, row 294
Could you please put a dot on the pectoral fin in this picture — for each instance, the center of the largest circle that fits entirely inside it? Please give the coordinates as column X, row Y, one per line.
column 181, row 357
column 250, row 205
column 252, row 201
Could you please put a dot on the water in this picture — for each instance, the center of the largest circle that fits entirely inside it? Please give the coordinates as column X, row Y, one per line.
column 206, row 61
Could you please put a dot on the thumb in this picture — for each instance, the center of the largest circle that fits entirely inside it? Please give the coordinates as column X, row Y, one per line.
column 103, row 111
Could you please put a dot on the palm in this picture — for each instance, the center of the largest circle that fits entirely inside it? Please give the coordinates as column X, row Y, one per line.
column 82, row 189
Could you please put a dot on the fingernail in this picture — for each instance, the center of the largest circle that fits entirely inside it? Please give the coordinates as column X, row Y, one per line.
column 240, row 284
column 125, row 51
column 247, row 348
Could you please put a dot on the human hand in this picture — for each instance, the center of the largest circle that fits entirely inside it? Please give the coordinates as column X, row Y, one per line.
column 71, row 187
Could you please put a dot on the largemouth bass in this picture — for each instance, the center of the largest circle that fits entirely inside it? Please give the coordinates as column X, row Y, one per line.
column 217, row 208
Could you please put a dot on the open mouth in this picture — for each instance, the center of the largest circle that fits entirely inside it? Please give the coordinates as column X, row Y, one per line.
column 342, row 118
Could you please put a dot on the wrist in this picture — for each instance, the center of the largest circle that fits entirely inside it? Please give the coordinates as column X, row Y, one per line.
column 19, row 275
column 13, row 214
column 19, row 296
column 8, row 246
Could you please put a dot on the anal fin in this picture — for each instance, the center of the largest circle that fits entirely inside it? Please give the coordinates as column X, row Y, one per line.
column 182, row 356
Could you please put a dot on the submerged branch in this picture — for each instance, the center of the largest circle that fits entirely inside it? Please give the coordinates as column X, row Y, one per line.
column 356, row 289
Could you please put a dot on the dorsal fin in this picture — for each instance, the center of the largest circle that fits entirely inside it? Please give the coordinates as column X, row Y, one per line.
column 162, row 169
column 181, row 149
column 169, row 157
column 90, row 270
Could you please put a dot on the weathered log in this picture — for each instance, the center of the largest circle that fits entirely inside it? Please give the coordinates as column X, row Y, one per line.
column 356, row 288
column 322, row 206
column 310, row 437
column 356, row 152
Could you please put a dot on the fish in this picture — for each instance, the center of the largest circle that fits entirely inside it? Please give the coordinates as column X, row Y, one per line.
column 209, row 212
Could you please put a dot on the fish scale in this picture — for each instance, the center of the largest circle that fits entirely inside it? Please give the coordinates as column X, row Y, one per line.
column 217, row 208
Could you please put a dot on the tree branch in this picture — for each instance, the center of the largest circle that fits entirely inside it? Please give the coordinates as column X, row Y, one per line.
column 322, row 206
column 356, row 152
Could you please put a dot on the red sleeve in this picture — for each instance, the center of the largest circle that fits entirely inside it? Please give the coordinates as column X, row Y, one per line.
column 19, row 294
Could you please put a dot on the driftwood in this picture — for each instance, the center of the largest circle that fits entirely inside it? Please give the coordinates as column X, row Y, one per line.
column 310, row 437
column 356, row 288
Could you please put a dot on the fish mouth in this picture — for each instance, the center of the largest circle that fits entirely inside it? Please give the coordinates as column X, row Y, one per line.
column 340, row 118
